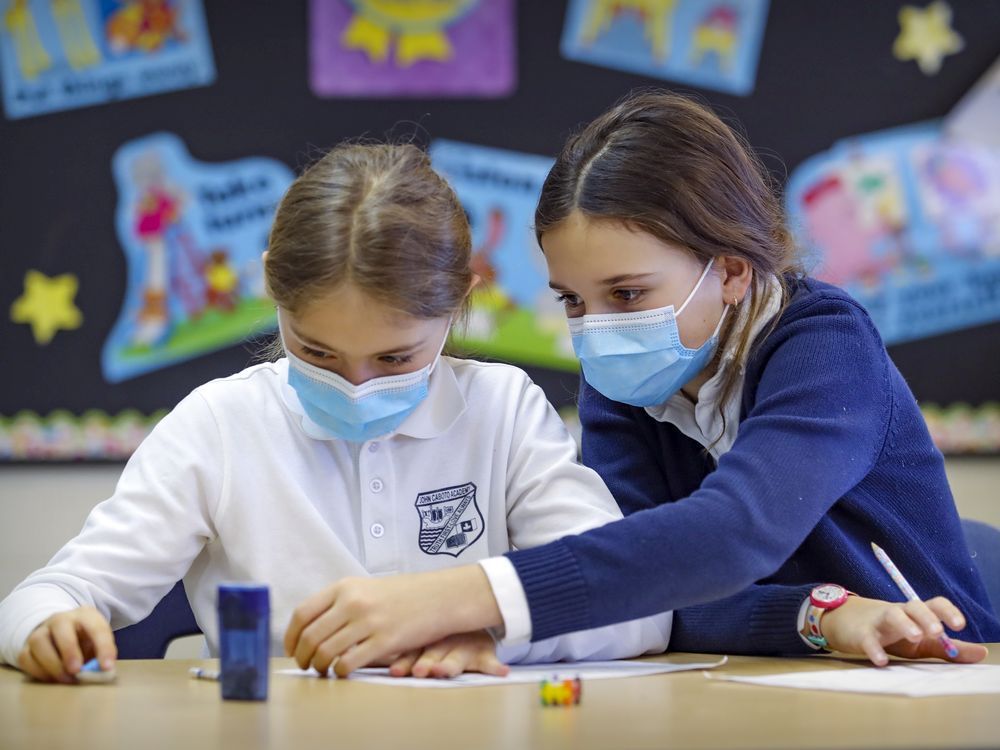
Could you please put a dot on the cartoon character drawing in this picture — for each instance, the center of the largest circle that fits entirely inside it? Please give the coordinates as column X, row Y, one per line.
column 19, row 23
column 143, row 26
column 716, row 34
column 75, row 35
column 157, row 213
column 221, row 281
column 833, row 221
column 960, row 191
column 656, row 17
column 416, row 26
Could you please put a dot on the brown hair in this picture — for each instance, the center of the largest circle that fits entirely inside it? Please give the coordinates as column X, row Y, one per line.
column 377, row 216
column 666, row 165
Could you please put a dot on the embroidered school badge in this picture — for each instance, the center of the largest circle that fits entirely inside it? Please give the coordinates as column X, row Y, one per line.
column 450, row 520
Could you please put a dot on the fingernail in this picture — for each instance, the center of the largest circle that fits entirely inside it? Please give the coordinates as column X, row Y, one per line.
column 937, row 628
column 107, row 664
column 915, row 633
column 73, row 666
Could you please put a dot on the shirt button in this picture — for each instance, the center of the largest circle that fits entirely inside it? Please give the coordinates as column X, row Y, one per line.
column 373, row 447
column 375, row 485
column 377, row 530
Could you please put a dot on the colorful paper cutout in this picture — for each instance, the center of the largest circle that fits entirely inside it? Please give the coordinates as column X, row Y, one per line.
column 909, row 223
column 62, row 54
column 515, row 316
column 382, row 48
column 47, row 305
column 976, row 117
column 193, row 235
column 62, row 436
column 959, row 429
column 710, row 43
column 926, row 36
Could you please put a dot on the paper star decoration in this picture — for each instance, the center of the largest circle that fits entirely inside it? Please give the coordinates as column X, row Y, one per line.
column 47, row 305
column 926, row 36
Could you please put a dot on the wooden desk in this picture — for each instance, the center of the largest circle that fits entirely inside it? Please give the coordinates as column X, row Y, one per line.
column 155, row 704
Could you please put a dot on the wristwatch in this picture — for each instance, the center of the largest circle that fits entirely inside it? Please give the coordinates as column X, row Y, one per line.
column 822, row 599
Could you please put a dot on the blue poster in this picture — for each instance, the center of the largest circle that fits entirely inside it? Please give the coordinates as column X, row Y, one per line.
column 515, row 315
column 907, row 221
column 62, row 54
column 714, row 44
column 193, row 235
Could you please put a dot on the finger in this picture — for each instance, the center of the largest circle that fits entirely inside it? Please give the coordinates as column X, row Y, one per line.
column 488, row 663
column 361, row 655
column 897, row 625
column 67, row 643
column 429, row 659
column 98, row 630
column 968, row 653
column 28, row 664
column 947, row 612
column 403, row 665
column 318, row 631
column 921, row 614
column 45, row 653
column 873, row 650
column 453, row 663
column 304, row 614
column 334, row 647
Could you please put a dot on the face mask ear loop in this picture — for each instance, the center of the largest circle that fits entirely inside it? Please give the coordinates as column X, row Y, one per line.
column 447, row 333
column 708, row 267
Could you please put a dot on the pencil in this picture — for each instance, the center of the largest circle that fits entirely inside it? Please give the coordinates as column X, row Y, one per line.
column 909, row 593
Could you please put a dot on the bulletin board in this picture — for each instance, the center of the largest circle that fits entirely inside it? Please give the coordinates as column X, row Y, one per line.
column 141, row 158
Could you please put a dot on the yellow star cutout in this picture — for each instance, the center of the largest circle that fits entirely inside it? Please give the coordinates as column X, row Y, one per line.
column 926, row 36
column 47, row 304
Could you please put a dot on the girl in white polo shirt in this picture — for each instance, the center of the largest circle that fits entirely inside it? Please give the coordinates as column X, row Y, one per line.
column 362, row 452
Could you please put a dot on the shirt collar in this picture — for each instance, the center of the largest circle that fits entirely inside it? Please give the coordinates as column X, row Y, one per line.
column 433, row 417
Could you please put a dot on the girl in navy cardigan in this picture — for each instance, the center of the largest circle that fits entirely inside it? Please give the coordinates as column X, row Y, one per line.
column 747, row 419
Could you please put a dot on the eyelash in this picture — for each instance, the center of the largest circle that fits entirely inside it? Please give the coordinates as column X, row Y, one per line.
column 389, row 360
column 627, row 296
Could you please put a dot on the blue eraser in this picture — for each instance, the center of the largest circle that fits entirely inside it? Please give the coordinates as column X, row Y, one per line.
column 92, row 672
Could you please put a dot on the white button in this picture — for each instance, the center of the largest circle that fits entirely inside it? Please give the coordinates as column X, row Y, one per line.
column 377, row 530
column 373, row 447
column 375, row 485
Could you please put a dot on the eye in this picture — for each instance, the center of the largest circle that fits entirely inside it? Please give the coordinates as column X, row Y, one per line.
column 568, row 300
column 397, row 360
column 628, row 296
column 315, row 353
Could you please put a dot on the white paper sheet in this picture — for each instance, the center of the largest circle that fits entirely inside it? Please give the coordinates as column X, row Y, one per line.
column 917, row 680
column 523, row 673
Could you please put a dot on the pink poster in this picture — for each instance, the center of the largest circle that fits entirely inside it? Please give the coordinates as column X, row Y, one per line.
column 425, row 48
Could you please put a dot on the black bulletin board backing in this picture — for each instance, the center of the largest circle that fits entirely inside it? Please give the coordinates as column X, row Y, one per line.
column 825, row 72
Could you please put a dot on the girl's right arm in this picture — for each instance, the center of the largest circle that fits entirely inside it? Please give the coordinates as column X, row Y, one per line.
column 133, row 548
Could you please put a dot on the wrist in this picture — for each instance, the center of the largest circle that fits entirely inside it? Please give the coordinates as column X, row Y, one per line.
column 823, row 601
column 473, row 602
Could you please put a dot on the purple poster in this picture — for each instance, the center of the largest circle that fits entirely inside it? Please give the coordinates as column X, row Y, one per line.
column 427, row 48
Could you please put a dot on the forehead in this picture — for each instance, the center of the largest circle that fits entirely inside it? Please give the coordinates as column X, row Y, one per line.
column 349, row 321
column 584, row 248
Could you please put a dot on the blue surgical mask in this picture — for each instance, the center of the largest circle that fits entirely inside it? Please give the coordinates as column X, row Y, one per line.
column 638, row 358
column 358, row 412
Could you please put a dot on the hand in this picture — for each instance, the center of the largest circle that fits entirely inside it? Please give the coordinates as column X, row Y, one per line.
column 911, row 630
column 358, row 621
column 464, row 652
column 56, row 649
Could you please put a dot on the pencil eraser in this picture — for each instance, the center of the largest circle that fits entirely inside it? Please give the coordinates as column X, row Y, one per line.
column 91, row 672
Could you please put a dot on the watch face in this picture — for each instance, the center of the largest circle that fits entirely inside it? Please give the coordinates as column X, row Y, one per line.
column 828, row 593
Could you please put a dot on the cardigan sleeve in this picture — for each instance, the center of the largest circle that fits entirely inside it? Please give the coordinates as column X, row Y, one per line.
column 817, row 425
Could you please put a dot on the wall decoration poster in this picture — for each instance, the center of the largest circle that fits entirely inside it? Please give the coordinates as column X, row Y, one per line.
column 515, row 316
column 383, row 48
column 908, row 221
column 62, row 54
column 193, row 234
column 714, row 44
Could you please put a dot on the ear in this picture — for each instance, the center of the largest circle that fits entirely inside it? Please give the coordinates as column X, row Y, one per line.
column 476, row 278
column 736, row 274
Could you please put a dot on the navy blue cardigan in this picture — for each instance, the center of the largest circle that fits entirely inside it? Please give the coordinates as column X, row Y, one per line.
column 832, row 454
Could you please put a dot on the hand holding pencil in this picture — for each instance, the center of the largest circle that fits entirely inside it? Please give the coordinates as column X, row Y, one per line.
column 912, row 630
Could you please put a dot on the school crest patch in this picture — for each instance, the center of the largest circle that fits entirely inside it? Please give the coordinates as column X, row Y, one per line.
column 450, row 519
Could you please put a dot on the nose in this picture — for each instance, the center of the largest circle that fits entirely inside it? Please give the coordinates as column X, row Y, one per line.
column 357, row 373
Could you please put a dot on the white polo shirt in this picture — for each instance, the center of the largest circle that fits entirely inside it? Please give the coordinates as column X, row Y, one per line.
column 237, row 484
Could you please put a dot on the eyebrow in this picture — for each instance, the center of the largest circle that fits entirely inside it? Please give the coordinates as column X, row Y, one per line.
column 609, row 281
column 320, row 345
